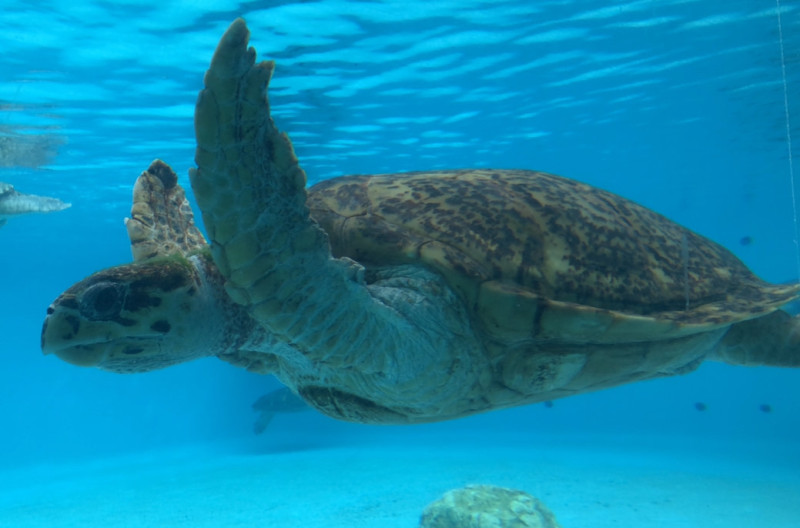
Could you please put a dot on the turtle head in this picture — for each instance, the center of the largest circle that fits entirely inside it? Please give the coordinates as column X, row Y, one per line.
column 137, row 317
column 168, row 306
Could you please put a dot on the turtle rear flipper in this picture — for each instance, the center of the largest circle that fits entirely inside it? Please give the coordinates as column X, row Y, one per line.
column 263, row 420
column 772, row 340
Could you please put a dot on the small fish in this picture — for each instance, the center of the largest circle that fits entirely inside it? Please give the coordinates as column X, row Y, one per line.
column 746, row 240
column 765, row 408
column 548, row 404
column 700, row 406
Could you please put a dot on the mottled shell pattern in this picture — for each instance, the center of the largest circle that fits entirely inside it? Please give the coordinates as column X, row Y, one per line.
column 535, row 255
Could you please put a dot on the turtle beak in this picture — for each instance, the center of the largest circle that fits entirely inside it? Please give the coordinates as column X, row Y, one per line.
column 57, row 329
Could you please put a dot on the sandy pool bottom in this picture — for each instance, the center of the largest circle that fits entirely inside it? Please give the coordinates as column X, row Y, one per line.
column 597, row 483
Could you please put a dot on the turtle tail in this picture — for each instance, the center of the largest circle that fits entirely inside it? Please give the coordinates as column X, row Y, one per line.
column 772, row 340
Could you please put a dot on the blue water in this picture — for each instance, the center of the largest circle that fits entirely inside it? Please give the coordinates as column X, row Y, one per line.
column 677, row 104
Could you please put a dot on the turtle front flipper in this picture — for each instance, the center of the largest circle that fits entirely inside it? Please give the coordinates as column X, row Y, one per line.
column 396, row 350
column 161, row 222
column 772, row 340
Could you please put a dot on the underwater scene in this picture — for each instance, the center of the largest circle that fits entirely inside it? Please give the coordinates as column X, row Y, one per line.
column 475, row 345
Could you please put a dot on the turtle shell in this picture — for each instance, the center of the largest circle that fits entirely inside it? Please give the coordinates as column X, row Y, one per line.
column 539, row 256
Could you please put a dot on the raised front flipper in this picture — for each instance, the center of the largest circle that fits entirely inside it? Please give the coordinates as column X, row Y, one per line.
column 161, row 222
column 398, row 350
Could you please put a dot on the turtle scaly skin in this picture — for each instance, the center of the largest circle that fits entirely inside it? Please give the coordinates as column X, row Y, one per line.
column 409, row 297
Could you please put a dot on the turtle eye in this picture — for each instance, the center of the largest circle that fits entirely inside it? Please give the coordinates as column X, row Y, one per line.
column 102, row 301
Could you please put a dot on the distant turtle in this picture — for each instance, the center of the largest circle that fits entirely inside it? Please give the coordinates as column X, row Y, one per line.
column 279, row 401
column 408, row 297
column 13, row 203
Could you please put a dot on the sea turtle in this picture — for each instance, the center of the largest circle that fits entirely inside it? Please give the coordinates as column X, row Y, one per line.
column 13, row 203
column 407, row 297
